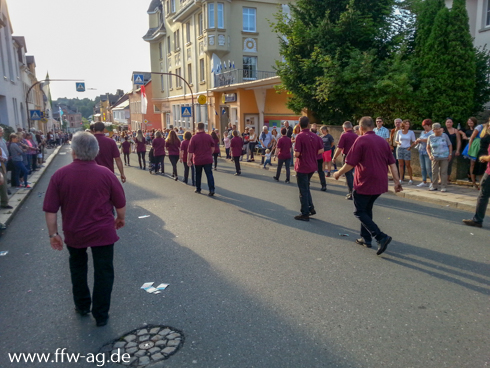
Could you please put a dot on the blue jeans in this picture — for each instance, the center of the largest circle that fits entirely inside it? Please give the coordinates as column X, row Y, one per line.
column 208, row 169
column 279, row 168
column 303, row 181
column 20, row 169
column 426, row 166
column 268, row 161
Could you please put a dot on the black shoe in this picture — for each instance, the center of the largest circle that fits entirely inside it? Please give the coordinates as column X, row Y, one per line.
column 361, row 241
column 383, row 244
column 237, row 174
column 211, row 193
column 328, row 175
column 349, row 196
column 176, row 178
column 287, row 181
column 276, row 179
column 198, row 191
column 302, row 218
column 82, row 312
column 324, row 188
column 101, row 322
column 312, row 212
column 7, row 207
column 472, row 223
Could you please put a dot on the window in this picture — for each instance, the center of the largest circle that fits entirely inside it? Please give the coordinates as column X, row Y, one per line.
column 160, row 50
column 162, row 88
column 249, row 20
column 172, row 4
column 249, row 67
column 169, row 46
column 189, row 73
column 221, row 16
column 188, row 32
column 168, row 7
column 488, row 14
column 200, row 23
column 211, row 15
column 178, row 81
column 201, row 70
column 177, row 40
column 170, row 80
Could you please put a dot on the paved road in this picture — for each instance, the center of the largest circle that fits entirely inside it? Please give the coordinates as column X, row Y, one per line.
column 252, row 287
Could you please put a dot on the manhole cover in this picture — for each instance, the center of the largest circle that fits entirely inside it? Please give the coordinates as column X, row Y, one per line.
column 144, row 346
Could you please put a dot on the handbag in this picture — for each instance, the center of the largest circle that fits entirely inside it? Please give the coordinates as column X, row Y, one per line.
column 474, row 149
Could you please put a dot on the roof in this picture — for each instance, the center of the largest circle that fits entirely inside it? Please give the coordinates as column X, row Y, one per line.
column 154, row 5
column 21, row 41
column 121, row 106
column 154, row 34
column 30, row 59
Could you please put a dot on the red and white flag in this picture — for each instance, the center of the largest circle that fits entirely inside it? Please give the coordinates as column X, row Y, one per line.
column 144, row 101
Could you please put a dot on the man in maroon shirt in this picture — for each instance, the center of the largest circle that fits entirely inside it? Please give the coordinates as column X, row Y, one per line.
column 236, row 146
column 283, row 153
column 346, row 141
column 306, row 149
column 87, row 222
column 200, row 153
column 370, row 155
column 108, row 151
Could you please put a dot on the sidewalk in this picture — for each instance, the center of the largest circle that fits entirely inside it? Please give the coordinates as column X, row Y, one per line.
column 18, row 196
column 462, row 197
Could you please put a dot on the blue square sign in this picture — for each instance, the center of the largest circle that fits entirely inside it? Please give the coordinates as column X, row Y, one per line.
column 138, row 79
column 186, row 111
column 35, row 114
column 80, row 87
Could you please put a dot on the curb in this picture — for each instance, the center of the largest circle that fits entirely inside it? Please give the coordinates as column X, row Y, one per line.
column 18, row 198
column 427, row 197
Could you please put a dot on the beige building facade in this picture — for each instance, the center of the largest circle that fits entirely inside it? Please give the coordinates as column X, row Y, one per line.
column 210, row 44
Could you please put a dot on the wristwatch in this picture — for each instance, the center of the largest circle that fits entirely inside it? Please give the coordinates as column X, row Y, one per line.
column 52, row 236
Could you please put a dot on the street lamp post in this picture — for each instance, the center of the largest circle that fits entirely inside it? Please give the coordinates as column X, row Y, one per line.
column 39, row 82
column 190, row 89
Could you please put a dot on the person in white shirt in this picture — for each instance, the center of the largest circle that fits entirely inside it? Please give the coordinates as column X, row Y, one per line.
column 405, row 140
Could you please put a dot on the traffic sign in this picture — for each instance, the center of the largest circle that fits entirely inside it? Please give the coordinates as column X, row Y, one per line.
column 35, row 114
column 80, row 87
column 186, row 111
column 146, row 121
column 202, row 99
column 138, row 79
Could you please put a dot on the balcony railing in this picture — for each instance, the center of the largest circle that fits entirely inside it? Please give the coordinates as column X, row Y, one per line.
column 240, row 76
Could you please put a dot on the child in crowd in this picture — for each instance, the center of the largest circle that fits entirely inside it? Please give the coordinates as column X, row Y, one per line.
column 227, row 143
column 267, row 158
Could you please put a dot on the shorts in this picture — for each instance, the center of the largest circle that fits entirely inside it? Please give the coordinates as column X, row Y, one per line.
column 327, row 156
column 403, row 154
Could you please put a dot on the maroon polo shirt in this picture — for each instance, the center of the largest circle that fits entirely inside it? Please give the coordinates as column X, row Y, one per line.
column 140, row 146
column 173, row 148
column 216, row 146
column 236, row 146
column 184, row 147
column 158, row 147
column 107, row 151
column 307, row 144
column 200, row 147
column 284, row 145
column 370, row 155
column 126, row 146
column 346, row 141
column 86, row 193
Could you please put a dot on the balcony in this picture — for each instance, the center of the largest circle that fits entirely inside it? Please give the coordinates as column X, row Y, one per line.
column 240, row 76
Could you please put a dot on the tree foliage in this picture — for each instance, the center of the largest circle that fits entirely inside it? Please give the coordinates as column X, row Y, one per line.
column 84, row 106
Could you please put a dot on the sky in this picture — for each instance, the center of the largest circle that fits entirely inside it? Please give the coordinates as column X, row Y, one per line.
column 99, row 41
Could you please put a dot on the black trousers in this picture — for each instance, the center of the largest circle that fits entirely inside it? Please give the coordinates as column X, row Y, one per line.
column 186, row 174
column 364, row 212
column 237, row 164
column 321, row 173
column 208, row 169
column 215, row 158
column 303, row 181
column 159, row 160
column 482, row 200
column 141, row 156
column 173, row 160
column 349, row 178
column 103, row 279
column 126, row 158
column 279, row 168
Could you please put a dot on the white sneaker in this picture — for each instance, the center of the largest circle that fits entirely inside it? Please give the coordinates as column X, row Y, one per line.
column 443, row 190
column 422, row 185
column 401, row 181
column 431, row 188
column 410, row 182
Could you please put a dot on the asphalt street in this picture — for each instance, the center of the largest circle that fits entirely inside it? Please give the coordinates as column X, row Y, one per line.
column 252, row 287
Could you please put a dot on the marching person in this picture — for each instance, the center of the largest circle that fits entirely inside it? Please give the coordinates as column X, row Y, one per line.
column 140, row 145
column 108, row 152
column 283, row 153
column 346, row 141
column 371, row 156
column 126, row 148
column 200, row 154
column 158, row 145
column 88, row 222
column 184, row 147
column 173, row 146
column 307, row 147
column 236, row 146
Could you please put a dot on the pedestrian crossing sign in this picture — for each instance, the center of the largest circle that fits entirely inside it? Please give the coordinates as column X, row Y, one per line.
column 80, row 87
column 186, row 111
column 138, row 79
column 35, row 114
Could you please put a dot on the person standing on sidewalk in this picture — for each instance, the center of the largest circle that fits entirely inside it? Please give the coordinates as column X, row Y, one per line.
column 346, row 141
column 216, row 152
column 108, row 152
column 380, row 130
column 88, row 222
column 405, row 139
column 200, row 154
column 4, row 155
column 425, row 163
column 265, row 141
column 482, row 200
column 306, row 150
column 16, row 153
column 439, row 148
column 393, row 145
column 236, row 146
column 283, row 153
column 371, row 156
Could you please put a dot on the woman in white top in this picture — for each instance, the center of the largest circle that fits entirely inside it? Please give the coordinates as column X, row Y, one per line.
column 405, row 139
column 252, row 142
